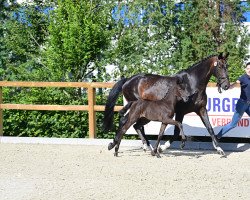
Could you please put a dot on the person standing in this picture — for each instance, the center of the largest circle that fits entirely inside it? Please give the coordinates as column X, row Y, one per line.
column 243, row 103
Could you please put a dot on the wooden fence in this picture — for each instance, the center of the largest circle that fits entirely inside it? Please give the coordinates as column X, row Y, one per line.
column 91, row 107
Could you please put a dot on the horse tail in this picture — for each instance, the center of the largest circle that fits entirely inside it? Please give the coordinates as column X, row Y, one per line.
column 109, row 107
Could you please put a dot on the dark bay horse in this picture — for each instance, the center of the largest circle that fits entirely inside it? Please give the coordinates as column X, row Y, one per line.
column 197, row 77
column 162, row 110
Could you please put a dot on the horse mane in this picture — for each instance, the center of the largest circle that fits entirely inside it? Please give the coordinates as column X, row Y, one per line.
column 196, row 64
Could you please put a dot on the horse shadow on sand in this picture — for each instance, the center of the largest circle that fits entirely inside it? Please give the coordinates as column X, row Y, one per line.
column 193, row 147
column 193, row 144
column 138, row 151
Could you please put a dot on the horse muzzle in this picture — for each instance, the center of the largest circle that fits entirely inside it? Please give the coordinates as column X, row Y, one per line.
column 225, row 87
column 225, row 84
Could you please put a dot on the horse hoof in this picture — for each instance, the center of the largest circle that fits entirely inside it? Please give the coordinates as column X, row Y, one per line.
column 221, row 152
column 145, row 147
column 158, row 155
column 182, row 145
column 165, row 146
column 152, row 153
column 224, row 156
column 110, row 146
column 159, row 150
column 116, row 154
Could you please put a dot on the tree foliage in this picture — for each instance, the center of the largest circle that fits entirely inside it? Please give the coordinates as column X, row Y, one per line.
column 78, row 36
column 209, row 27
column 24, row 36
column 143, row 37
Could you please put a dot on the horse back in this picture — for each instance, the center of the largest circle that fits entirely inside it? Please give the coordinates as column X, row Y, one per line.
column 130, row 88
column 155, row 88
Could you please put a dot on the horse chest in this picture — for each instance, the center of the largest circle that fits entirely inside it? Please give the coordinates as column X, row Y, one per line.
column 192, row 105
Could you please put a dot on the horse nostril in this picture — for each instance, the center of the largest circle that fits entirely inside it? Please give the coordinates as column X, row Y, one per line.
column 186, row 99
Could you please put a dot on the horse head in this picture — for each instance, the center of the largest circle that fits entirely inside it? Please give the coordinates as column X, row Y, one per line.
column 221, row 72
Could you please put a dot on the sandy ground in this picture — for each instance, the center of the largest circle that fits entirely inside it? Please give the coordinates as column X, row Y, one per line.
column 72, row 172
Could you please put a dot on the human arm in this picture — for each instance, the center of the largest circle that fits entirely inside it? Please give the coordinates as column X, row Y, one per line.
column 234, row 84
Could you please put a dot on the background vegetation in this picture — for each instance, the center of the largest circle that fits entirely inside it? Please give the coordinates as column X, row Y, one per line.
column 102, row 40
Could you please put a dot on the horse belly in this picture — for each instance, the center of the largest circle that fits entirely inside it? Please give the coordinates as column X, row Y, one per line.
column 155, row 112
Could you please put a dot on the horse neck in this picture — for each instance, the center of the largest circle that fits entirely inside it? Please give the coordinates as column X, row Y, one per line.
column 202, row 73
column 177, row 95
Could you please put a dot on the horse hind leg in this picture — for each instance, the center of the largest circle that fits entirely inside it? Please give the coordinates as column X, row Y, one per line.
column 129, row 119
column 183, row 137
column 164, row 147
column 141, row 132
column 122, row 122
column 179, row 125
column 123, row 111
column 118, row 141
column 175, row 137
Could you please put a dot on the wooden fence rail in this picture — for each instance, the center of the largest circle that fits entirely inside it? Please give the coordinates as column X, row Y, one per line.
column 91, row 107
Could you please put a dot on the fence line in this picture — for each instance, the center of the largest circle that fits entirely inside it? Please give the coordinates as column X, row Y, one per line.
column 91, row 107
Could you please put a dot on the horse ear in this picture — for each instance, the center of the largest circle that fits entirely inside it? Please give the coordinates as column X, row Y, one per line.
column 185, row 78
column 223, row 56
column 179, row 79
column 227, row 54
column 220, row 56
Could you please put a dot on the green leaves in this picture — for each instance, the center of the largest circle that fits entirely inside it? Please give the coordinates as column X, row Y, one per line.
column 210, row 27
column 24, row 33
column 78, row 36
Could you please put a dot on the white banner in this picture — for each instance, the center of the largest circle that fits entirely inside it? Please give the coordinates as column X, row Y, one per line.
column 220, row 108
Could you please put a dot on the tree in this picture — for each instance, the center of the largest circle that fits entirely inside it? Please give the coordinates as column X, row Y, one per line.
column 78, row 36
column 143, row 39
column 25, row 31
column 209, row 27
column 6, row 8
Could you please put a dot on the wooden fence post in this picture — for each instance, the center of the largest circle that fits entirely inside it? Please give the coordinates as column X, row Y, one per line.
column 91, row 112
column 1, row 112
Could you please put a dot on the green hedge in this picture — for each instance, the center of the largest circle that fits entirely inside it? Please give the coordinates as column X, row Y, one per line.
column 69, row 124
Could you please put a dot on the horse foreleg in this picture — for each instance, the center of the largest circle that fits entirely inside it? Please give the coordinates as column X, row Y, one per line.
column 204, row 117
column 180, row 127
column 183, row 137
column 179, row 118
column 117, row 148
column 155, row 150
